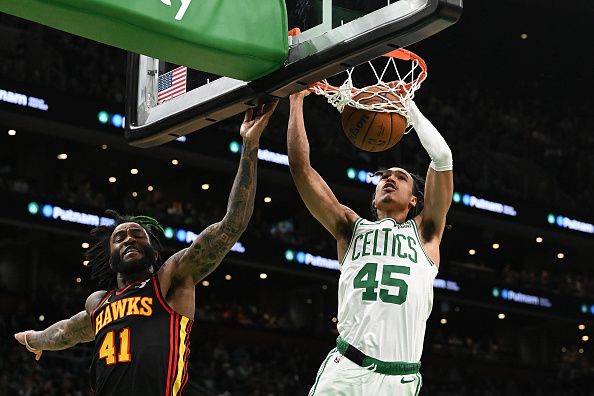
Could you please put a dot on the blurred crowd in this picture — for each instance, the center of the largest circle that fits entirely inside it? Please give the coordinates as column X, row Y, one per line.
column 234, row 355
column 561, row 282
column 243, row 314
column 47, row 58
column 297, row 229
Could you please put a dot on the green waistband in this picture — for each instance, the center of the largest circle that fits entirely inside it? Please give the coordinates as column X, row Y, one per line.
column 381, row 367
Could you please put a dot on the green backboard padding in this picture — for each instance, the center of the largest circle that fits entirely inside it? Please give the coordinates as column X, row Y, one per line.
column 242, row 39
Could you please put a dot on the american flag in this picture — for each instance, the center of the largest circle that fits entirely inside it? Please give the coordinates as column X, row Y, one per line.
column 172, row 84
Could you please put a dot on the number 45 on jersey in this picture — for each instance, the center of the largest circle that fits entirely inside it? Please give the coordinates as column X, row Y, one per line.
column 366, row 279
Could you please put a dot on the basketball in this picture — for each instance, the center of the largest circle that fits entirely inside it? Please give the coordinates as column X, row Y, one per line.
column 370, row 130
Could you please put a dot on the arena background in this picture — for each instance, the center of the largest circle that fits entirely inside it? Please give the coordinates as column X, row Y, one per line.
column 510, row 88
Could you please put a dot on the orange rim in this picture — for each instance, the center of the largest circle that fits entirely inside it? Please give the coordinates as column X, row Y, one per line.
column 400, row 53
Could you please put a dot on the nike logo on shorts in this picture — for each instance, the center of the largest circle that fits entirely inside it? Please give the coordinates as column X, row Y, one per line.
column 403, row 380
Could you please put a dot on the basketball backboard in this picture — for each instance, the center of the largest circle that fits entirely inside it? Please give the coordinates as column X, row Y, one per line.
column 335, row 35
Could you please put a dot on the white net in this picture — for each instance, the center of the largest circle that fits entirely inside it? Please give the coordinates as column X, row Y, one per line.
column 390, row 97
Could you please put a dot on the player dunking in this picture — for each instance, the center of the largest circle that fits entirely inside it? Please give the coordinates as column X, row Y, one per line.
column 141, row 323
column 387, row 266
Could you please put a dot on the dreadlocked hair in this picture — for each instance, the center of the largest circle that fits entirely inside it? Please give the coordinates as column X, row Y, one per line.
column 99, row 254
column 418, row 188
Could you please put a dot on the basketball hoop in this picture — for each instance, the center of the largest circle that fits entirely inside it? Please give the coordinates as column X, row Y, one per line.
column 384, row 96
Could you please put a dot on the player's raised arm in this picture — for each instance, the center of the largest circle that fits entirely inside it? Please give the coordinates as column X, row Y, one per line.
column 315, row 192
column 213, row 244
column 439, row 184
column 63, row 334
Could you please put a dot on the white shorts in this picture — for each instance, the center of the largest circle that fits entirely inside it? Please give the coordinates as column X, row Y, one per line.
column 338, row 376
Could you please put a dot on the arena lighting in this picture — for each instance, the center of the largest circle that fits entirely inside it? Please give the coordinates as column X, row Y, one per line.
column 263, row 275
column 134, row 194
column 581, row 327
column 483, row 204
column 116, row 120
column 84, row 245
column 47, row 211
column 581, row 350
column 560, row 256
column 103, row 117
column 168, row 232
column 234, row 147
column 104, row 146
column 86, row 262
column 585, row 338
column 270, row 156
column 181, row 235
column 521, row 298
column 439, row 283
column 334, row 320
column 289, row 255
column 263, row 154
column 304, row 258
column 20, row 99
column 228, row 277
column 11, row 132
column 71, row 216
column 362, row 176
column 134, row 171
column 112, row 179
column 181, row 139
column 538, row 239
column 205, row 186
column 174, row 162
column 185, row 236
column 150, row 188
column 41, row 318
column 495, row 246
column 205, row 283
column 472, row 252
column 501, row 316
column 62, row 156
column 33, row 208
column 443, row 321
column 351, row 173
column 267, row 199
column 572, row 224
column 523, row 36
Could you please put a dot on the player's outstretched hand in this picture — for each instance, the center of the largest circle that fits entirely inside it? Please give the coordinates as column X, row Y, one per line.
column 255, row 121
column 22, row 339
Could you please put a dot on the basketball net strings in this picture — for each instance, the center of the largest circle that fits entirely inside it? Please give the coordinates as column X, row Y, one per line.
column 405, row 92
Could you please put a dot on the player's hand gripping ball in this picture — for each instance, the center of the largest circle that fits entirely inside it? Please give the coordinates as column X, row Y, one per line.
column 370, row 130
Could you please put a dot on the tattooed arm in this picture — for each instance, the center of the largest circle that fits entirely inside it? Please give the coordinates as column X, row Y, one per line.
column 63, row 334
column 213, row 244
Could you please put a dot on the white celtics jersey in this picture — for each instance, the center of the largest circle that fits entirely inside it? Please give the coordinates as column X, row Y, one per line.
column 385, row 292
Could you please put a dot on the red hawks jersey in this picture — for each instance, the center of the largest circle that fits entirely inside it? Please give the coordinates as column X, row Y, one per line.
column 141, row 344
